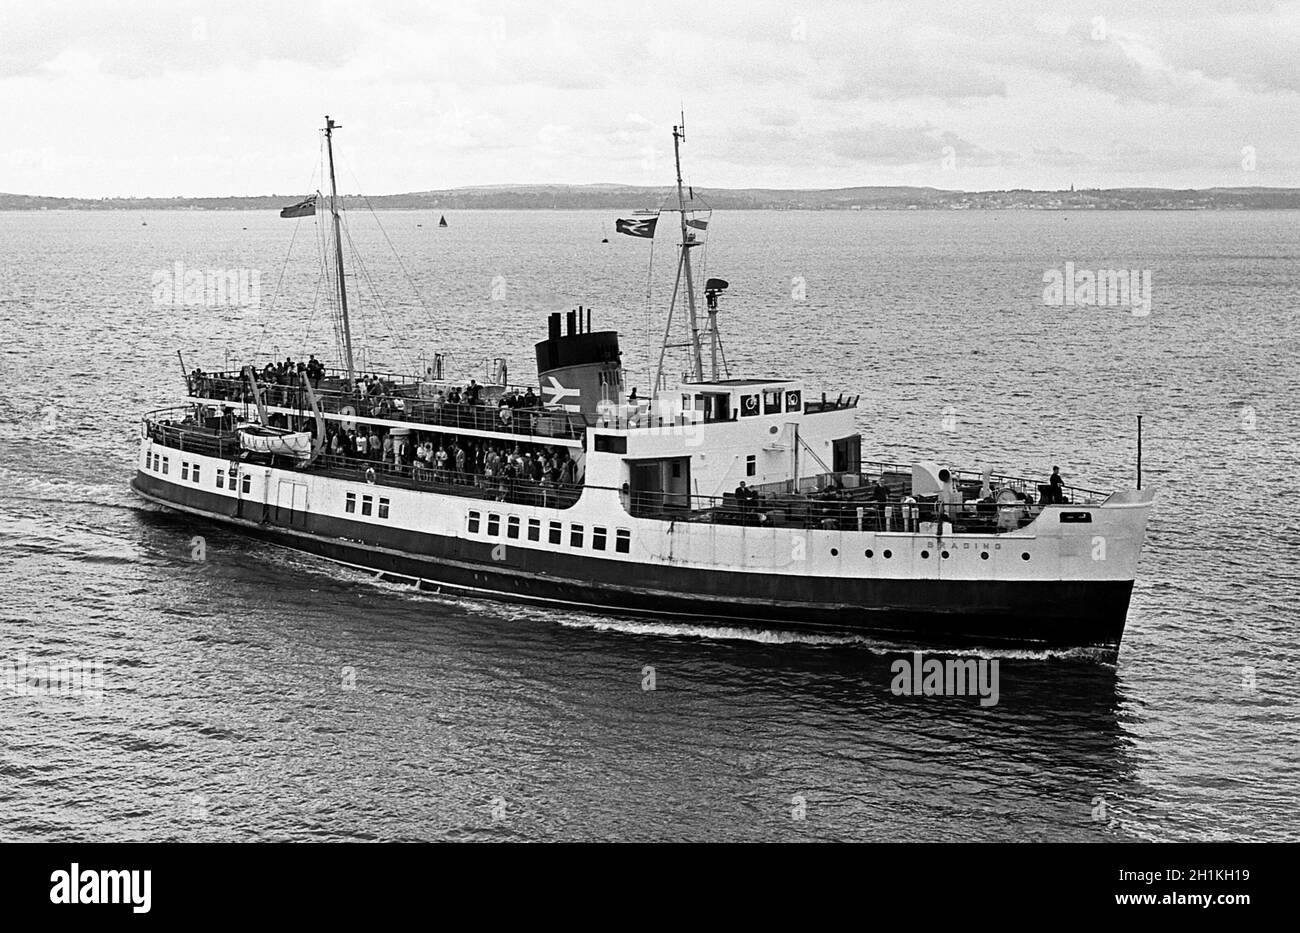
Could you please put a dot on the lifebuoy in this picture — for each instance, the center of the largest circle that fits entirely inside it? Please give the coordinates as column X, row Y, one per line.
column 370, row 475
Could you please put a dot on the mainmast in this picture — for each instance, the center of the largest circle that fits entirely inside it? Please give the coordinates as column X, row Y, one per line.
column 679, row 137
column 683, row 269
column 330, row 126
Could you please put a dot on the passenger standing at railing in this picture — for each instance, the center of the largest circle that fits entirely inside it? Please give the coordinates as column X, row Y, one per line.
column 1057, row 484
column 949, row 499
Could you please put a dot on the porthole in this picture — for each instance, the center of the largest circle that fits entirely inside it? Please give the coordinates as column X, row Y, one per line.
column 944, row 555
column 868, row 552
column 925, row 555
column 835, row 552
column 1025, row 556
column 984, row 555
column 888, row 554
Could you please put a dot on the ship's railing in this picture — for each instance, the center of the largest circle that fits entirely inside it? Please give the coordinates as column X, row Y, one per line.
column 969, row 482
column 827, row 404
column 450, row 482
column 834, row 512
column 897, row 478
column 397, row 401
column 176, row 428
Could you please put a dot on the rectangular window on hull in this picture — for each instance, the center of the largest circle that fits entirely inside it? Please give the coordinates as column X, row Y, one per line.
column 556, row 533
column 367, row 505
column 623, row 541
column 383, row 507
column 350, row 504
column 494, row 524
column 195, row 477
column 534, row 529
column 185, row 469
column 751, row 465
column 575, row 536
column 230, row 481
column 598, row 538
column 221, row 478
column 164, row 466
column 246, row 486
column 512, row 526
column 472, row 524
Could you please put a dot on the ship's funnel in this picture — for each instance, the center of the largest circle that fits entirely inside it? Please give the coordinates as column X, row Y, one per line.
column 579, row 369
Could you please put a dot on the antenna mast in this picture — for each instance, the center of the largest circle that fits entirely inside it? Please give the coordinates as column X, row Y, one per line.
column 330, row 126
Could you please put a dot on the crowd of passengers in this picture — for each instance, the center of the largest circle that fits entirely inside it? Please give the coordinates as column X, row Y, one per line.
column 455, row 460
column 377, row 397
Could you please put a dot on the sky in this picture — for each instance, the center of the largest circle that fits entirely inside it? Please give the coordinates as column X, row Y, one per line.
column 190, row 98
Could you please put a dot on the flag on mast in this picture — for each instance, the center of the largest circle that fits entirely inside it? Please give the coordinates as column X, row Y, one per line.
column 304, row 208
column 643, row 228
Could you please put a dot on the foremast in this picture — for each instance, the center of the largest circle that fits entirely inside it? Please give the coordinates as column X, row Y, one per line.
column 330, row 126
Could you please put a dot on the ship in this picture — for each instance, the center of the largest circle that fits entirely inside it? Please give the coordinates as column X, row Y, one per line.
column 714, row 498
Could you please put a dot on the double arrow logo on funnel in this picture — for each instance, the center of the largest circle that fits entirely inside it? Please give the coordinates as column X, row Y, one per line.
column 558, row 392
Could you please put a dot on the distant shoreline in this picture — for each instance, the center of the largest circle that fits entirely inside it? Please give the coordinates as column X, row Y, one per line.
column 625, row 199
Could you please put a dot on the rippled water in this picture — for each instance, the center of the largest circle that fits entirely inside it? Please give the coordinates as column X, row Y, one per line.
column 226, row 711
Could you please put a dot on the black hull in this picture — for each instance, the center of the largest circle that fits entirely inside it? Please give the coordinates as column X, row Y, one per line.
column 933, row 613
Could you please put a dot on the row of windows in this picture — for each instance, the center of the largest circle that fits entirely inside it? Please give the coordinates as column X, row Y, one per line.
column 193, row 472
column 228, row 482
column 554, row 531
column 367, row 505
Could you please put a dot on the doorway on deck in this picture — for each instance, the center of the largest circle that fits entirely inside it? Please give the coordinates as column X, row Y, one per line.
column 661, row 485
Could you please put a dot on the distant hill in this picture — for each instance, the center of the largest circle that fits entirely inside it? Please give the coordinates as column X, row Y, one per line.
column 626, row 198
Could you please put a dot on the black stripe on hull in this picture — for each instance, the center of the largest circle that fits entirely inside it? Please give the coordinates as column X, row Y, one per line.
column 1037, row 614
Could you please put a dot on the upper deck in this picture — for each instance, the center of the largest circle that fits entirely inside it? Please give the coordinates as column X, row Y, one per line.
column 397, row 400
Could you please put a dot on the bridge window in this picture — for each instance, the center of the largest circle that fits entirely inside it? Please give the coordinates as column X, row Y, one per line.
column 598, row 538
column 350, row 505
column 534, row 529
column 512, row 526
column 367, row 505
column 383, row 507
column 555, row 534
column 622, row 540
column 473, row 522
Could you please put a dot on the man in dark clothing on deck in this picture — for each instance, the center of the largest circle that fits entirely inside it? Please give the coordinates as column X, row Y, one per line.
column 1057, row 484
